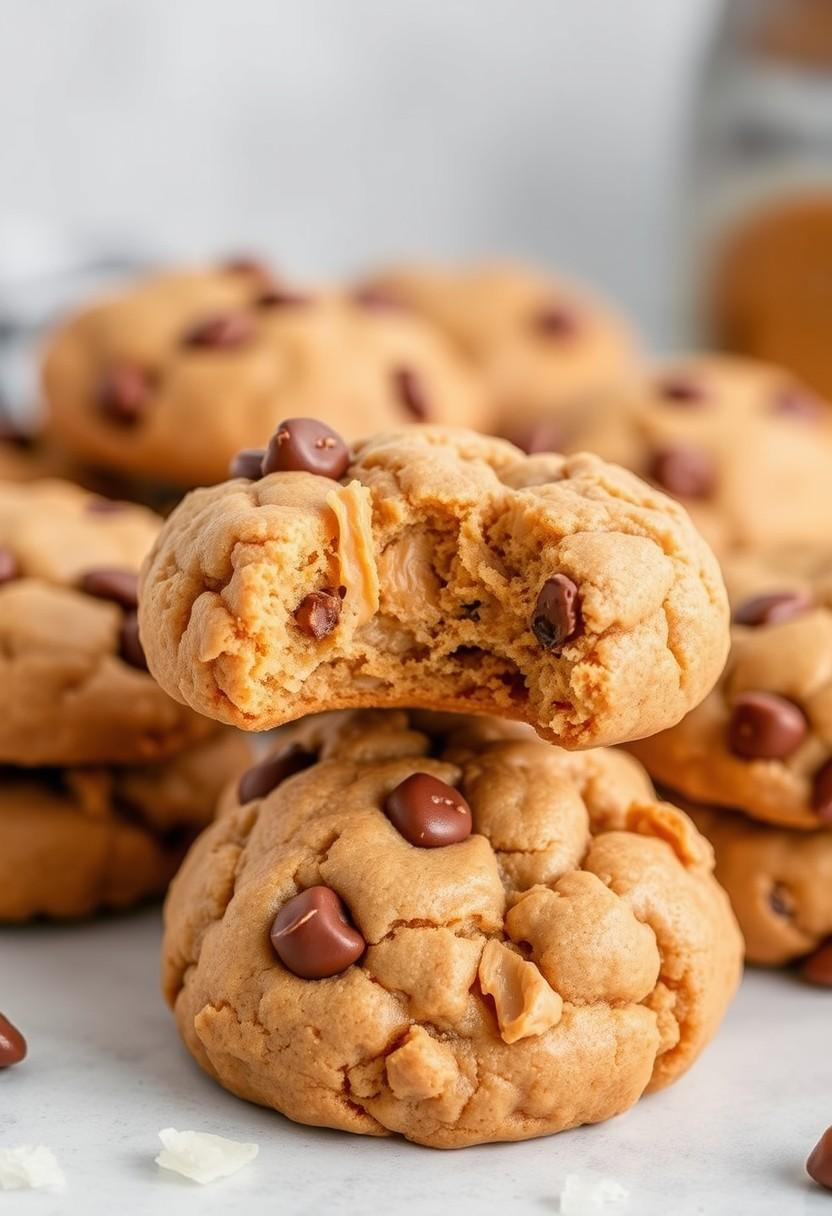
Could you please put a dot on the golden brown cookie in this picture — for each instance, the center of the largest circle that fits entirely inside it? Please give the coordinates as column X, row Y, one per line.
column 762, row 741
column 541, row 972
column 72, row 670
column 543, row 346
column 81, row 840
column 438, row 568
column 743, row 446
column 168, row 380
column 779, row 882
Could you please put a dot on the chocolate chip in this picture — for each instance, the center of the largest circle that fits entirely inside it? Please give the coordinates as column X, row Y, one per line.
column 797, row 402
column 248, row 463
column 682, row 470
column 281, row 297
column 780, row 901
column 244, row 264
column 318, row 613
column 773, row 608
column 130, row 648
column 12, row 1044
column 556, row 615
column 681, row 390
column 822, row 792
column 427, row 812
column 376, row 295
column 124, row 393
column 112, row 583
column 9, row 566
column 304, row 445
column 411, row 392
column 313, row 937
column 554, row 321
column 546, row 436
column 817, row 967
column 765, row 726
column 819, row 1163
column 266, row 776
column 225, row 331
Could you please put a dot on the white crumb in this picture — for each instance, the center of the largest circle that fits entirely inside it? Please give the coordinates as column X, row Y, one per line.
column 585, row 1195
column 29, row 1168
column 201, row 1156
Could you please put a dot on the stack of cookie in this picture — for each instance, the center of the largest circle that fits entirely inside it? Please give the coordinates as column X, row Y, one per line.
column 748, row 450
column 104, row 779
column 418, row 922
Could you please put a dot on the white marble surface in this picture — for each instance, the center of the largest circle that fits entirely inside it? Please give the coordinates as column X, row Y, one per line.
column 106, row 1072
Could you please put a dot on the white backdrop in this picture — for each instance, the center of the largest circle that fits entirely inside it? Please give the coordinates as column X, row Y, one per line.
column 336, row 132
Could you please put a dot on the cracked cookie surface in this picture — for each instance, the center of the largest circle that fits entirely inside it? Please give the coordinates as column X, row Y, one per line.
column 542, row 346
column 743, row 445
column 81, row 840
column 169, row 379
column 570, row 953
column 70, row 666
column 444, row 569
column 761, row 742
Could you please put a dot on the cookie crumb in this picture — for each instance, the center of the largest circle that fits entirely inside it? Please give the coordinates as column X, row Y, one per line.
column 583, row 1195
column 29, row 1168
column 203, row 1157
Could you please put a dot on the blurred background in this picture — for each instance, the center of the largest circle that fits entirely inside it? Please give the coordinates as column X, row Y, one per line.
column 617, row 142
column 334, row 135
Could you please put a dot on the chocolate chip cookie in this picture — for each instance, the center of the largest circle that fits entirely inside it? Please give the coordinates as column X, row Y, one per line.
column 80, row 840
column 171, row 378
column 437, row 568
column 72, row 669
column 543, row 347
column 454, row 932
column 761, row 742
column 779, row 882
column 746, row 448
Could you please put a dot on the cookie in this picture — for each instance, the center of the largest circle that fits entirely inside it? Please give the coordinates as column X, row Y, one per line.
column 72, row 670
column 543, row 346
column 761, row 742
column 567, row 951
column 745, row 447
column 168, row 380
column 779, row 882
column 82, row 840
column 436, row 568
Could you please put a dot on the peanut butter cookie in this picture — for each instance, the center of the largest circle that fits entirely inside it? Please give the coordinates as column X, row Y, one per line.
column 437, row 568
column 454, row 932
column 169, row 379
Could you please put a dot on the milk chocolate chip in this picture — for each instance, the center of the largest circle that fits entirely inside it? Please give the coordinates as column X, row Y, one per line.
column 765, row 726
column 130, row 647
column 554, row 321
column 819, row 1164
column 428, row 813
column 681, row 390
column 685, row 471
column 225, row 331
column 304, row 445
column 247, row 463
column 556, row 613
column 313, row 937
column 12, row 1044
column 9, row 569
column 124, row 393
column 772, row 608
column 318, row 613
column 112, row 583
column 822, row 792
column 817, row 967
column 411, row 392
column 262, row 778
